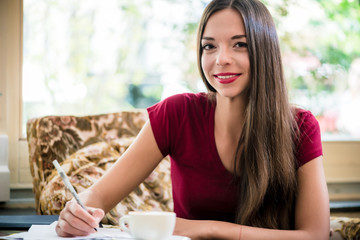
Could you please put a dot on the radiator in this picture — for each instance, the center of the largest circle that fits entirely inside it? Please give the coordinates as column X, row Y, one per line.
column 4, row 169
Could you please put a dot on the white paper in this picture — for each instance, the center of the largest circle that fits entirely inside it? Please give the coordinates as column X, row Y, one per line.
column 37, row 232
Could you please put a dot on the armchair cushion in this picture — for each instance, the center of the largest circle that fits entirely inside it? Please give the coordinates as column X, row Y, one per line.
column 345, row 228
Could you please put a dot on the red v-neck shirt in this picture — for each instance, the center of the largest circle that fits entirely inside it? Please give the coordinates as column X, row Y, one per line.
column 183, row 127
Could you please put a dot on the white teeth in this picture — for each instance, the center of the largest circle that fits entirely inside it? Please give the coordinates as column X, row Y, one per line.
column 228, row 76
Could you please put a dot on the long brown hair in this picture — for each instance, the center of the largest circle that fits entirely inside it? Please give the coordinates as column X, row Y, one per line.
column 265, row 164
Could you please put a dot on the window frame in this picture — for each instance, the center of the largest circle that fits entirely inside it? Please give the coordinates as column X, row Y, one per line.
column 11, row 13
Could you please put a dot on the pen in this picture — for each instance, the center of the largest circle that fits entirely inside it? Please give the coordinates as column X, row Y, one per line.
column 69, row 186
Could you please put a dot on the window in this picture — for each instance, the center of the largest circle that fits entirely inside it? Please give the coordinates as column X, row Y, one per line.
column 321, row 57
column 86, row 57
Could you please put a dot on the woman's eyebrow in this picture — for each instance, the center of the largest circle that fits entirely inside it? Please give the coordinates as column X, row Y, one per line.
column 238, row 36
column 232, row 38
column 208, row 38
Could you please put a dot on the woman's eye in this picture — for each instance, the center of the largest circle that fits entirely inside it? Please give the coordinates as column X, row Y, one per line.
column 207, row 46
column 241, row 45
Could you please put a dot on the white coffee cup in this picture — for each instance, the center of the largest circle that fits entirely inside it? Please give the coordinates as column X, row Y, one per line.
column 149, row 225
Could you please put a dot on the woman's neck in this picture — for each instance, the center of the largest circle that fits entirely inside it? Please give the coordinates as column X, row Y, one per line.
column 229, row 115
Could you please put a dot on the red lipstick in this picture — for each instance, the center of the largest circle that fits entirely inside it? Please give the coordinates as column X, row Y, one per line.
column 226, row 78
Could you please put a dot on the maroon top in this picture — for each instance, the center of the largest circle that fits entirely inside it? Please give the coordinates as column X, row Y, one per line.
column 183, row 126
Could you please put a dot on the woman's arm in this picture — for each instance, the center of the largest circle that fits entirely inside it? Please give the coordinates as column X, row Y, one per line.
column 312, row 215
column 138, row 161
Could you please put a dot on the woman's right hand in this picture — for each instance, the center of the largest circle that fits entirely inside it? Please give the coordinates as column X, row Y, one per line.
column 76, row 221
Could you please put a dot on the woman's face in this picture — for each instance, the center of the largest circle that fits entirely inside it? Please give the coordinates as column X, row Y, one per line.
column 225, row 59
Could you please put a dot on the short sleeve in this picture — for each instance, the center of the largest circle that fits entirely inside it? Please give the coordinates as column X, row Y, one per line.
column 165, row 120
column 309, row 143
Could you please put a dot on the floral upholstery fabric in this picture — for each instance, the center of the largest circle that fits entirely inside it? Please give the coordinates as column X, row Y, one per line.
column 345, row 228
column 87, row 147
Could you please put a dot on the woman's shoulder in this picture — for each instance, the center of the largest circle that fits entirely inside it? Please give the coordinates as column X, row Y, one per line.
column 309, row 138
column 187, row 97
column 305, row 118
column 181, row 104
column 187, row 101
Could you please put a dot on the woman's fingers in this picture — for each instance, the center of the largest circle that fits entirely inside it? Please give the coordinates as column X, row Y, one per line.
column 97, row 213
column 75, row 221
column 66, row 229
column 79, row 213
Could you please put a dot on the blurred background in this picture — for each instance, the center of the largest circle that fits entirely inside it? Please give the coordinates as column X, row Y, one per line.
column 87, row 56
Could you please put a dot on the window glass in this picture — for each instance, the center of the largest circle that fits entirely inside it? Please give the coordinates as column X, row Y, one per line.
column 321, row 56
column 87, row 56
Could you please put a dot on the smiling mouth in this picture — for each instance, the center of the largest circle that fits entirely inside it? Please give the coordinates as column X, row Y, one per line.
column 227, row 76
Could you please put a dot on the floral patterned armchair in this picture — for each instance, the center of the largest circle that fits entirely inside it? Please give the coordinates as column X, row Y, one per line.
column 86, row 147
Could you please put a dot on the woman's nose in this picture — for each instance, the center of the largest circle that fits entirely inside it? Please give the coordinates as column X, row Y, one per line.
column 224, row 57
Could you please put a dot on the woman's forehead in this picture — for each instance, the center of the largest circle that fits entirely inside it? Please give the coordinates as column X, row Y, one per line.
column 227, row 21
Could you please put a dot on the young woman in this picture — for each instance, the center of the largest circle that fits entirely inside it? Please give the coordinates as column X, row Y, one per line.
column 245, row 164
